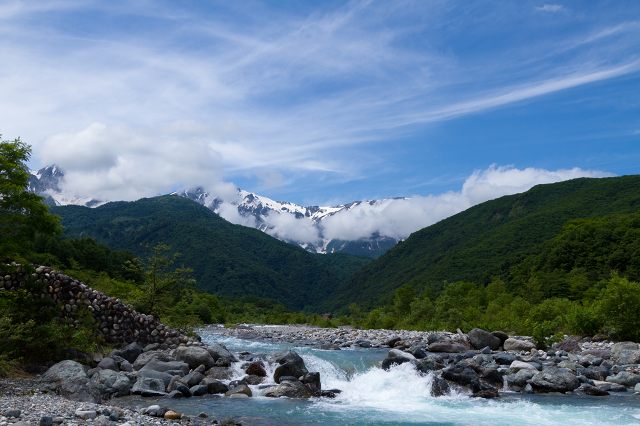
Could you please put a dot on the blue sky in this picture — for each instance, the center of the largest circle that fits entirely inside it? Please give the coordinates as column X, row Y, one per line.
column 319, row 102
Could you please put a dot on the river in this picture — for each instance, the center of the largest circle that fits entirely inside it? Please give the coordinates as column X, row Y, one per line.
column 400, row 396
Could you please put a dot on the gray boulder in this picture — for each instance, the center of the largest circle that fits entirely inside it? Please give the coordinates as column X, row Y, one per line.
column 145, row 357
column 69, row 379
column 170, row 367
column 219, row 373
column 518, row 345
column 219, row 351
column 624, row 378
column 289, row 389
column 148, row 386
column 626, row 353
column 554, row 379
column 290, row 364
column 215, row 386
column 159, row 375
column 397, row 357
column 519, row 380
column 195, row 356
column 439, row 387
column 111, row 383
column 108, row 363
column 199, row 390
column 430, row 363
column 192, row 378
column 464, row 376
column 239, row 390
column 480, row 338
column 129, row 352
column 447, row 346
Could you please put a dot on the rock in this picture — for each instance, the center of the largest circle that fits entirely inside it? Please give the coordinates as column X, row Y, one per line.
column 239, row 395
column 596, row 373
column 183, row 389
column 111, row 383
column 215, row 386
column 256, row 368
column 396, row 357
column 149, row 386
column 330, row 393
column 12, row 413
column 174, row 394
column 554, row 379
column 86, row 414
column 291, row 364
column 312, row 382
column 464, row 376
column 518, row 345
column 219, row 373
column 439, row 387
column 108, row 363
column 46, row 421
column 500, row 335
column 504, row 358
column 253, row 380
column 609, row 387
column 194, row 356
column 480, row 338
column 519, row 380
column 430, row 363
column 418, row 352
column 624, row 378
column 155, row 411
column 165, row 377
column 588, row 389
column 521, row 365
column 145, row 357
column 569, row 345
column 240, row 389
column 69, row 379
column 220, row 352
column 290, row 389
column 624, row 353
column 487, row 393
column 169, row 367
column 392, row 341
column 447, row 346
column 129, row 352
column 172, row 415
column 199, row 390
column 192, row 378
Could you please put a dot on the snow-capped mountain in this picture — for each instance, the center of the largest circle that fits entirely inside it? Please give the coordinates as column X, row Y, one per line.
column 286, row 221
column 276, row 218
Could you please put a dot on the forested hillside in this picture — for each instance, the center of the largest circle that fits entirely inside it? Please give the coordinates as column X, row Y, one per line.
column 227, row 259
column 488, row 240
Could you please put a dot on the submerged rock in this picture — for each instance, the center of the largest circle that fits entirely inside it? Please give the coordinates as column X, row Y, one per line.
column 396, row 357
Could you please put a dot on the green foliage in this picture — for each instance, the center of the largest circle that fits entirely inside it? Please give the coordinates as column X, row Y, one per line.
column 23, row 215
column 619, row 306
column 228, row 260
column 489, row 239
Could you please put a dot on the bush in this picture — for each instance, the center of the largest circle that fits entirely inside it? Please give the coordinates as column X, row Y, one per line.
column 619, row 306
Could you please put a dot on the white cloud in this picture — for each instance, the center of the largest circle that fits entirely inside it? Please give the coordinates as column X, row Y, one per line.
column 551, row 8
column 122, row 163
column 398, row 218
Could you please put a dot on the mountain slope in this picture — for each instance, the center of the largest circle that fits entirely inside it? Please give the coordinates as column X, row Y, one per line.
column 227, row 259
column 488, row 239
column 244, row 208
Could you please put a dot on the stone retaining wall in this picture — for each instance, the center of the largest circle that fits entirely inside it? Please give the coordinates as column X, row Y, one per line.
column 117, row 322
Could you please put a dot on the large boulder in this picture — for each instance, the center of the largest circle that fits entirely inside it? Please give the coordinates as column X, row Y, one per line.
column 111, row 383
column 625, row 353
column 239, row 390
column 256, row 368
column 625, row 378
column 447, row 346
column 464, row 376
column 518, row 345
column 129, row 352
column 215, row 386
column 519, row 380
column 554, row 379
column 480, row 338
column 195, row 356
column 521, row 365
column 570, row 344
column 69, row 379
column 290, row 364
column 290, row 389
column 170, row 367
column 159, row 375
column 220, row 352
column 145, row 357
column 149, row 386
column 430, row 363
column 397, row 357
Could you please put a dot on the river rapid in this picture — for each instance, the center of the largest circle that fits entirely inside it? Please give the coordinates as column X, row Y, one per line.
column 400, row 396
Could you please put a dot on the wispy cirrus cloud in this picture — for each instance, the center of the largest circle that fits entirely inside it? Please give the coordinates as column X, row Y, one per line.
column 271, row 92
